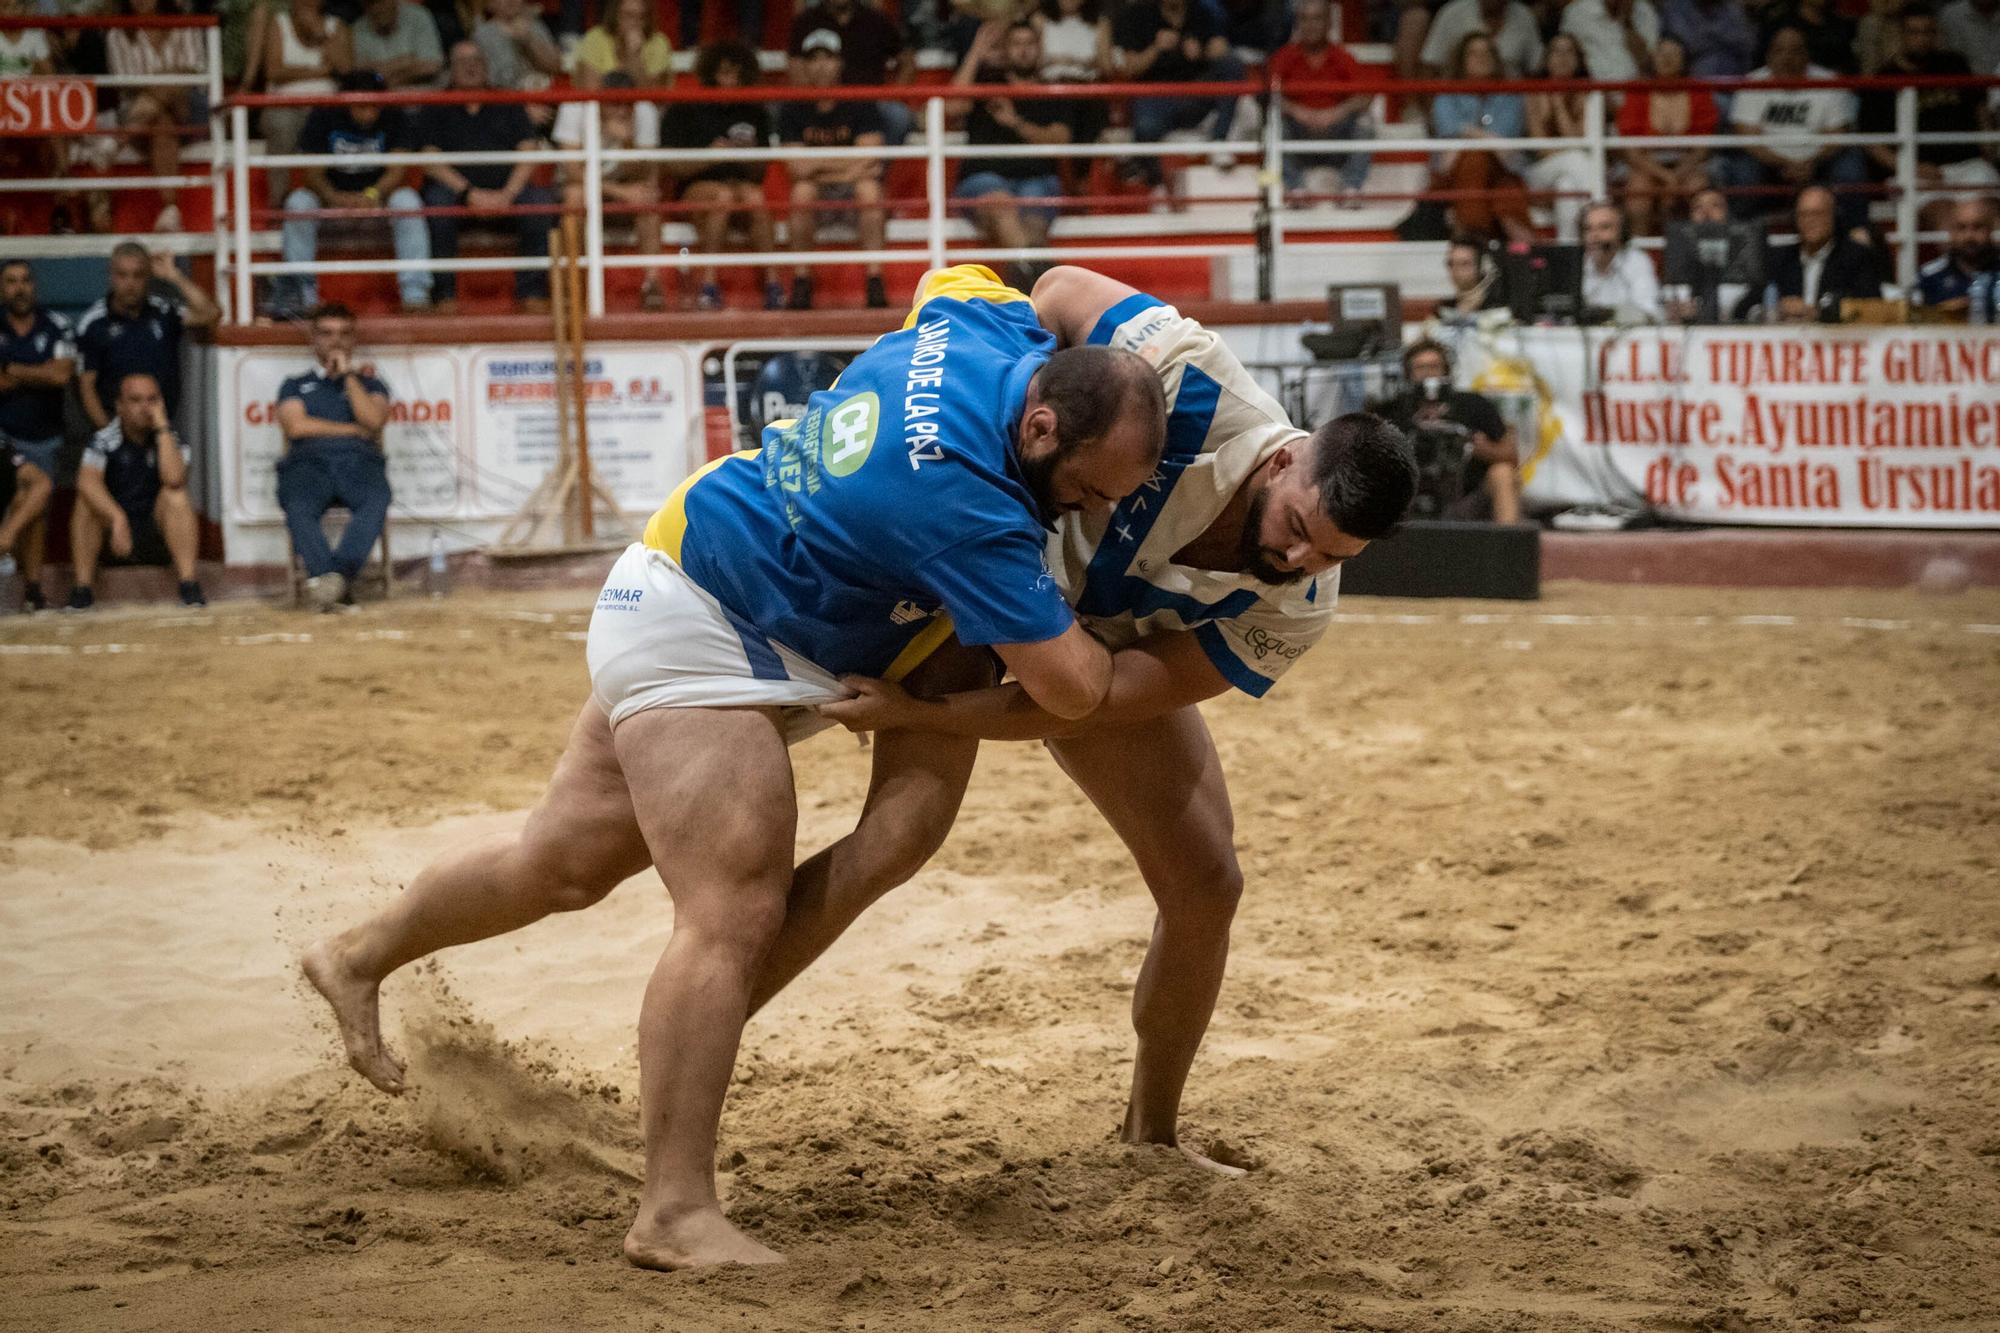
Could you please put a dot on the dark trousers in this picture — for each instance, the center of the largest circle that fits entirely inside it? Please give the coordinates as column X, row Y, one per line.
column 1845, row 168
column 532, row 229
column 315, row 476
column 1153, row 118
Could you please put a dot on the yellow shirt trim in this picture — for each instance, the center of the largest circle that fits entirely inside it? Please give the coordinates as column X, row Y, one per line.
column 665, row 529
column 961, row 282
column 928, row 641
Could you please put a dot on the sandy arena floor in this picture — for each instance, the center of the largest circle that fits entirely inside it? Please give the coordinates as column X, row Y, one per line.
column 1626, row 962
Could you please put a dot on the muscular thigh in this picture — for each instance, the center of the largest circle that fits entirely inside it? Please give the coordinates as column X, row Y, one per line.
column 1159, row 784
column 584, row 830
column 712, row 791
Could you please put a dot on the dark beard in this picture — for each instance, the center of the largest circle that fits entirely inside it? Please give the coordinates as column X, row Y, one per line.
column 1039, row 474
column 1250, row 551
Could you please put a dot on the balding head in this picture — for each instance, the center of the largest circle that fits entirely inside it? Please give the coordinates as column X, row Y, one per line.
column 1971, row 231
column 1813, row 216
column 1092, row 430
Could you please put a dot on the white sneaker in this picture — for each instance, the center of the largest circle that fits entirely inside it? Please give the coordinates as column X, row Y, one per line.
column 169, row 219
column 325, row 591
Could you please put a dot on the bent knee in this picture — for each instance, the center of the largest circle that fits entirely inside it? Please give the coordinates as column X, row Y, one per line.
column 1198, row 891
column 565, row 885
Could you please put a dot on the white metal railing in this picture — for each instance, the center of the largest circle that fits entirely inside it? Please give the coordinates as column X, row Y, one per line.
column 209, row 79
column 1263, row 224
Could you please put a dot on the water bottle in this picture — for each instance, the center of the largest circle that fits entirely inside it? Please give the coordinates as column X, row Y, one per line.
column 10, row 584
column 437, row 574
column 1979, row 300
column 1770, row 303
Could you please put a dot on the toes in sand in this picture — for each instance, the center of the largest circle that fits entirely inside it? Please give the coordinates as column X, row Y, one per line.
column 356, row 1009
column 698, row 1239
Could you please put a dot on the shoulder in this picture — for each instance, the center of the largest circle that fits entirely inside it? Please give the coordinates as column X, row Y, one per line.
column 108, row 438
column 93, row 319
column 56, row 322
column 295, row 386
column 1935, row 268
column 161, row 307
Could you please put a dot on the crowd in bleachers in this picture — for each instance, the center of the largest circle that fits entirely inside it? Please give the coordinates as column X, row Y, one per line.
column 311, row 47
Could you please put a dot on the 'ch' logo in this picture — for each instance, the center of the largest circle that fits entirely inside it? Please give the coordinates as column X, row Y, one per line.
column 850, row 434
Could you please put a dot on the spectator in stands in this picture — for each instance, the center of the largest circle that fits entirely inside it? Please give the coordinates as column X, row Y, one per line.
column 24, row 52
column 1761, row 115
column 1878, row 35
column 823, row 180
column 1173, row 41
column 1829, row 34
column 1517, row 39
column 398, row 39
column 1490, row 183
column 1475, row 280
column 1617, row 36
column 343, row 131
column 332, row 418
column 1077, row 48
column 1617, row 276
column 1718, row 36
column 37, row 363
column 1824, row 268
column 456, row 21
column 484, row 127
column 628, row 41
column 1313, row 55
column 1946, row 282
column 1466, row 451
column 157, row 112
column 998, row 187
column 27, row 505
column 131, row 493
column 136, row 330
column 1563, row 174
column 1708, row 205
column 872, row 53
column 1972, row 28
column 722, row 191
column 1939, row 111
column 306, row 50
column 626, row 185
column 1076, row 41
column 1659, row 180
column 520, row 51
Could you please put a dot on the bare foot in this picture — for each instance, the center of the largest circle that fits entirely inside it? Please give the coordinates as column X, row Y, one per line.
column 693, row 1240
column 355, row 1008
column 1223, row 1164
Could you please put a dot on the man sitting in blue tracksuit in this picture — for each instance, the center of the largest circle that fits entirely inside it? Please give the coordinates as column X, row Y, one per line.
column 332, row 417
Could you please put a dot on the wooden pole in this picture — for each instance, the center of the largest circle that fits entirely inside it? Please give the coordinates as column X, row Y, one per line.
column 586, row 491
column 559, row 318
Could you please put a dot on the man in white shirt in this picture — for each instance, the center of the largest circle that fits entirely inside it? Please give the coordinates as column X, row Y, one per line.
column 1972, row 28
column 1509, row 23
column 1617, row 277
column 1783, row 128
column 1617, row 36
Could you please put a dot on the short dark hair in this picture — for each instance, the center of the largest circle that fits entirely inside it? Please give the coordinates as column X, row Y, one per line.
column 1093, row 387
column 715, row 55
column 1019, row 24
column 6, row 264
column 131, row 250
column 1092, row 10
column 1421, row 346
column 330, row 310
column 1366, row 474
column 1917, row 9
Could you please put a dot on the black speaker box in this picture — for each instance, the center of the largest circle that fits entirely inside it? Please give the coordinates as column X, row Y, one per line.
column 1437, row 558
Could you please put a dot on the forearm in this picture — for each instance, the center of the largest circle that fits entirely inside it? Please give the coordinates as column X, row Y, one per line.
column 48, row 375
column 93, row 407
column 370, row 412
column 517, row 180
column 91, row 491
column 312, row 428
column 173, row 467
column 201, row 309
column 1143, row 687
column 448, row 176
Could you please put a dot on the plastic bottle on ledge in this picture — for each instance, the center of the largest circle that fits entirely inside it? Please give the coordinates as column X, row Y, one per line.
column 10, row 585
column 437, row 572
column 1979, row 300
column 1770, row 303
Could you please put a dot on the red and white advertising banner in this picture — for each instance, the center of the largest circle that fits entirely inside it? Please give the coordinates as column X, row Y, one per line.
column 46, row 106
column 1893, row 426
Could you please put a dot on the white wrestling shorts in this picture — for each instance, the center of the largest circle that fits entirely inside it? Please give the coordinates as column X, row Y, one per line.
column 659, row 640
